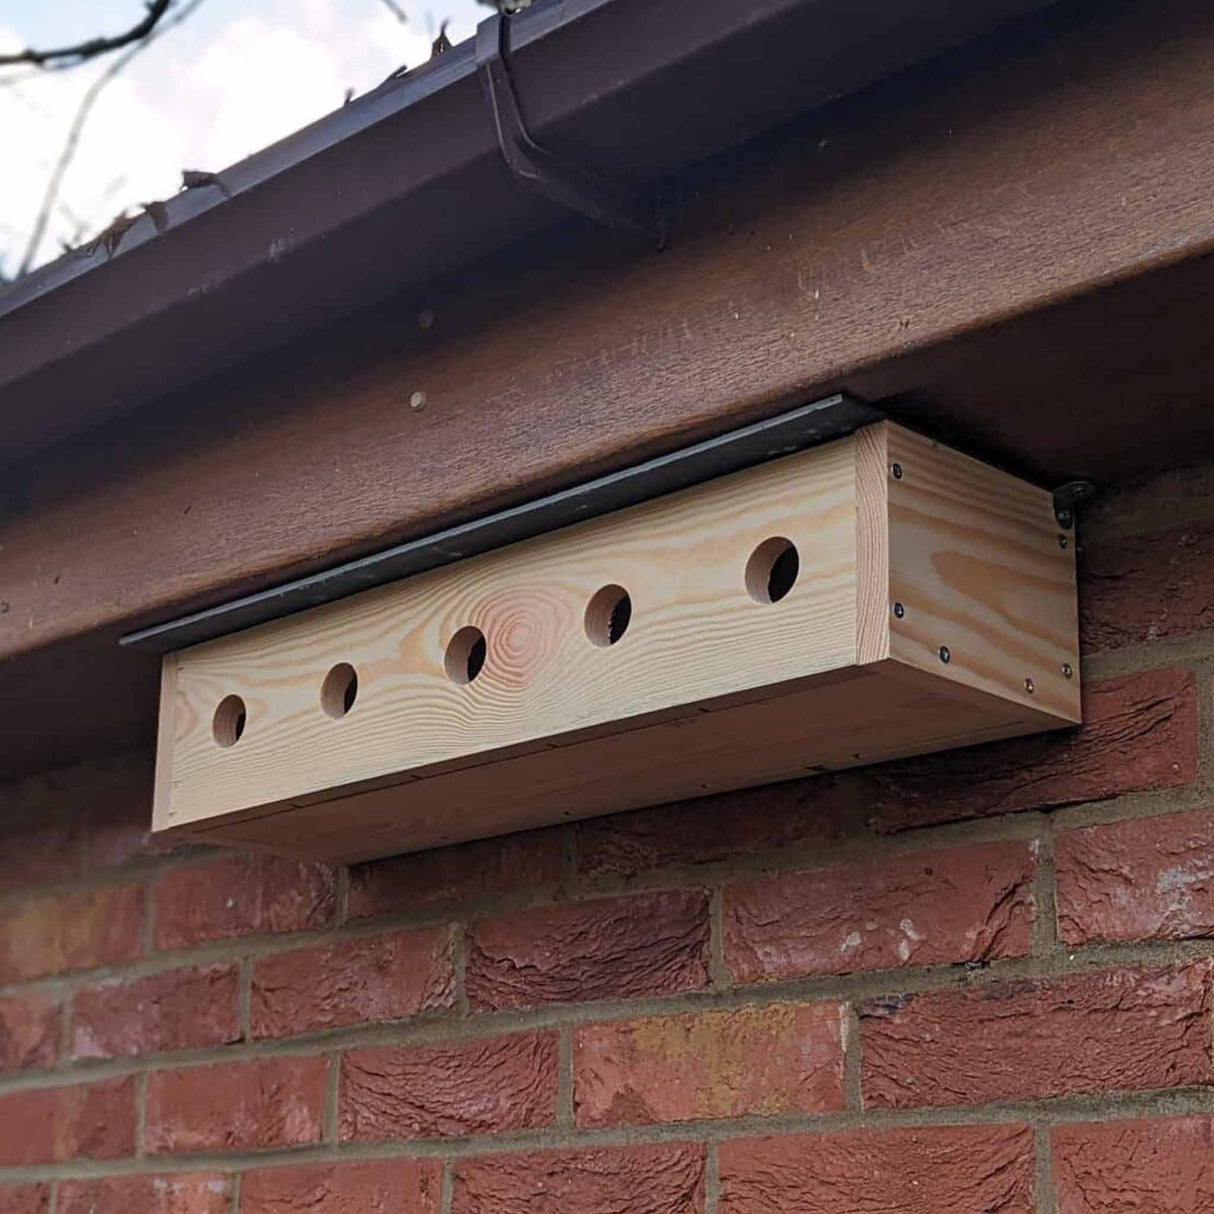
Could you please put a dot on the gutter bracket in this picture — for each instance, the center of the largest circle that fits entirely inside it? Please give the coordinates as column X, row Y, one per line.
column 1067, row 500
column 573, row 186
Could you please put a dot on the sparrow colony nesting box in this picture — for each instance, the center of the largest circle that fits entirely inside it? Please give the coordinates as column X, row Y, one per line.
column 874, row 597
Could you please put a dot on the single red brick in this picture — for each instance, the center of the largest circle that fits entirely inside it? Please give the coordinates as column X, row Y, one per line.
column 464, row 873
column 463, row 1087
column 190, row 1193
column 25, row 1199
column 379, row 1186
column 59, row 822
column 50, row 1125
column 1133, row 507
column 119, row 829
column 29, row 1032
column 617, row 948
column 179, row 1010
column 357, row 981
column 820, row 810
column 969, row 904
column 1139, row 732
column 273, row 1102
column 1140, row 588
column 112, row 799
column 1110, row 1031
column 241, row 896
column 47, row 848
column 1140, row 880
column 752, row 1061
column 70, row 815
column 1135, row 1167
column 958, row 1169
column 51, row 935
column 666, row 1179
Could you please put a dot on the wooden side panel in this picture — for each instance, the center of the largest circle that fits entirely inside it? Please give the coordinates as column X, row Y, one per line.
column 872, row 543
column 695, row 634
column 985, row 575
column 166, row 731
column 878, row 712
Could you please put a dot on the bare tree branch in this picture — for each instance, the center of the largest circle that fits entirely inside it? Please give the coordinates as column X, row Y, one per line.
column 93, row 47
column 51, row 194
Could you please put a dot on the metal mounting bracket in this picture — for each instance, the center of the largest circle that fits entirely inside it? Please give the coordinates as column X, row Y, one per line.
column 1068, row 498
column 574, row 186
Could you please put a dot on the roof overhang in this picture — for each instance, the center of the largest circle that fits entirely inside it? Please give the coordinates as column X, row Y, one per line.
column 408, row 182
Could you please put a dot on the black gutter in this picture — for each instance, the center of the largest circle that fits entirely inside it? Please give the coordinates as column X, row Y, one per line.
column 409, row 182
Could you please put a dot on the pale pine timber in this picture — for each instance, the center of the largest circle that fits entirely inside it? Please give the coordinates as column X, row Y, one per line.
column 707, row 689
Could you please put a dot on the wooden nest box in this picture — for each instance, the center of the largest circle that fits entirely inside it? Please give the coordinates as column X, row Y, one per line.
column 874, row 597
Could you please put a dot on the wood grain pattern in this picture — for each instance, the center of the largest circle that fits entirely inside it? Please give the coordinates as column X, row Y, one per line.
column 983, row 571
column 708, row 687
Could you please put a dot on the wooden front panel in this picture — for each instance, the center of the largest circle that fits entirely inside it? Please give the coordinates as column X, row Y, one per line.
column 696, row 633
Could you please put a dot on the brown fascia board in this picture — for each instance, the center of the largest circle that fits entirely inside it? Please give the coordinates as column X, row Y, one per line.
column 408, row 182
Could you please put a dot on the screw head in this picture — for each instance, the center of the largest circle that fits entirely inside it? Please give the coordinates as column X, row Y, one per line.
column 1066, row 518
column 1028, row 686
column 944, row 653
column 896, row 471
column 417, row 401
column 1063, row 542
column 1067, row 672
column 899, row 611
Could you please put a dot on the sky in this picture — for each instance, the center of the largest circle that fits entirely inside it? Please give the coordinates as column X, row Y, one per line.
column 235, row 76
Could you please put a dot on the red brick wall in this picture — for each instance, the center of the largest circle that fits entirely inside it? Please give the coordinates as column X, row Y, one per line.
column 978, row 983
